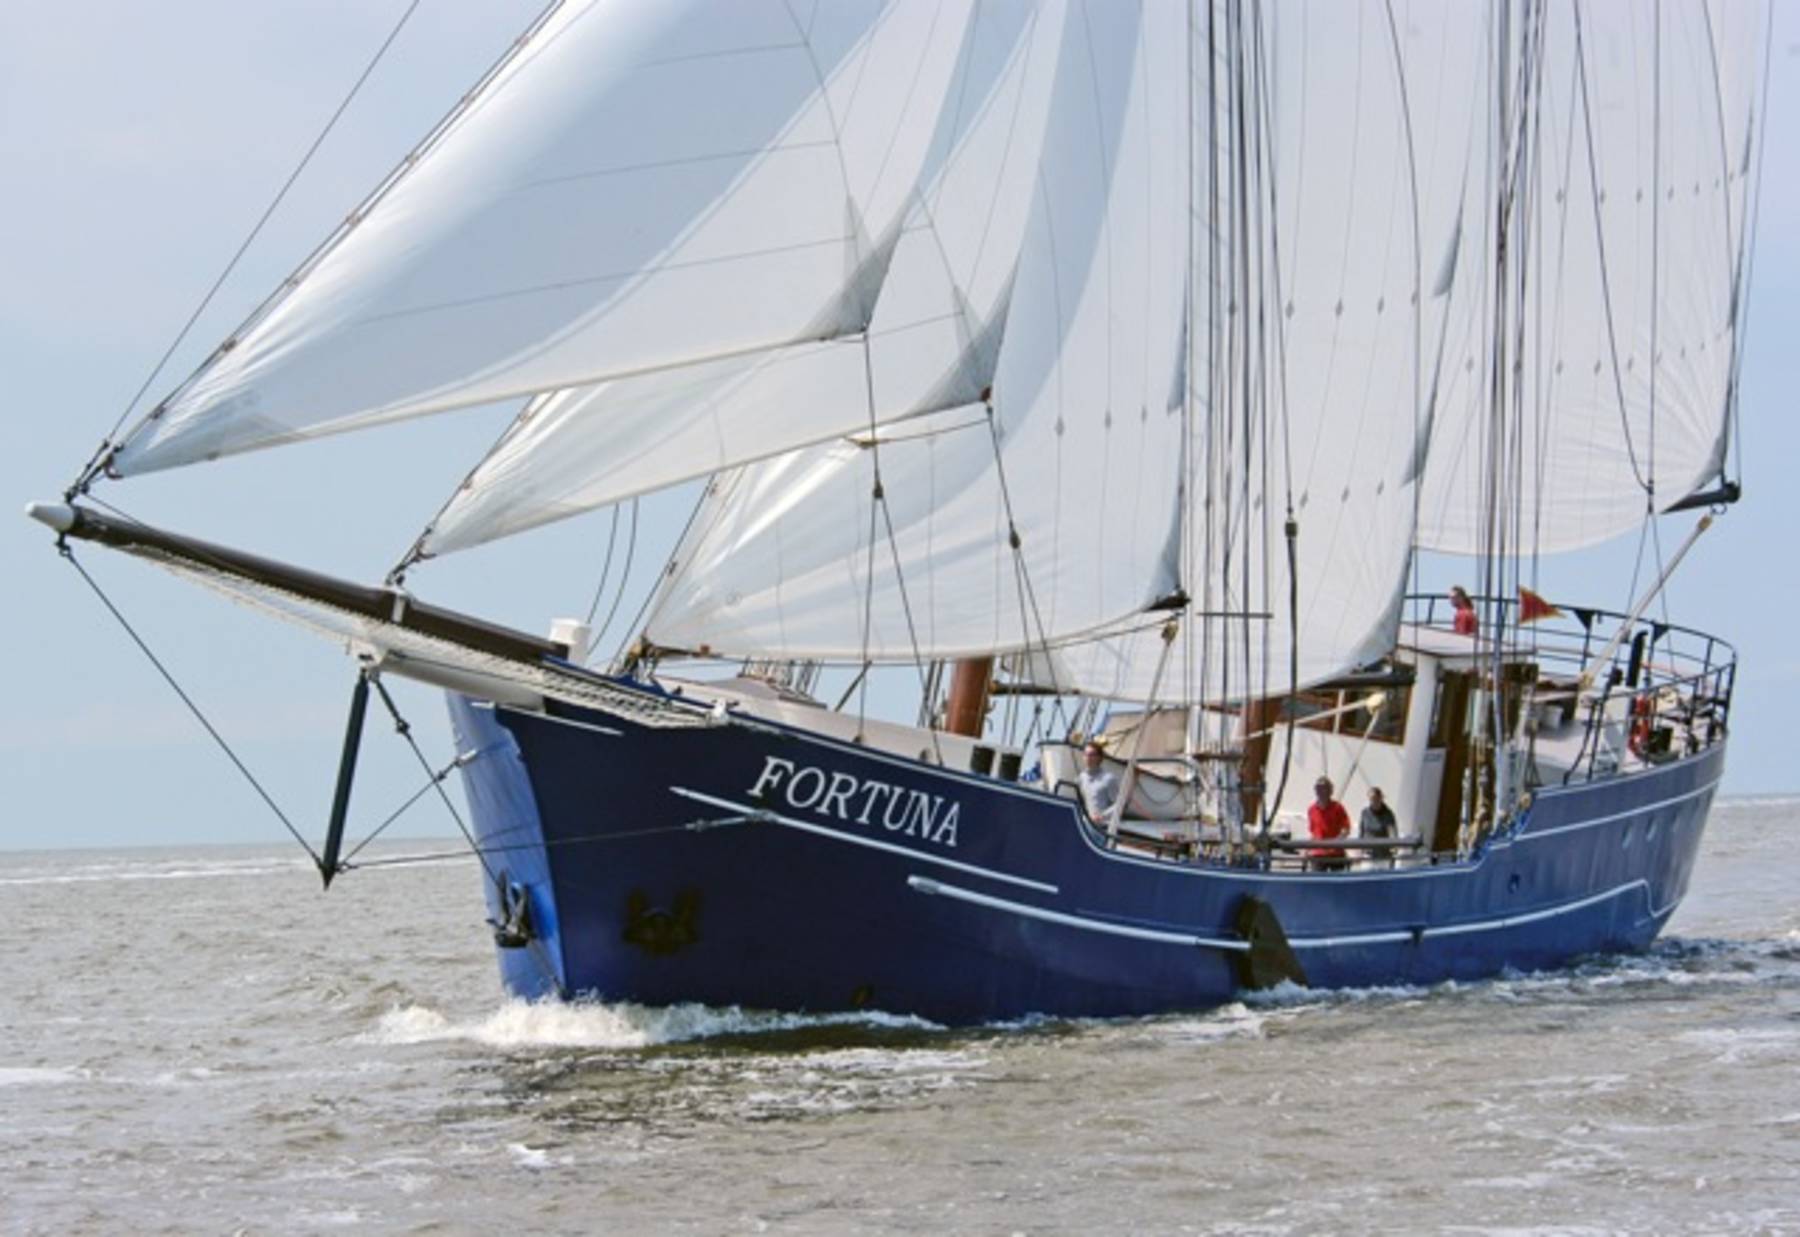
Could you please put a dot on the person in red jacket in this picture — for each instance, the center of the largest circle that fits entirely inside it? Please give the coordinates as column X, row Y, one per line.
column 1326, row 818
column 1463, row 619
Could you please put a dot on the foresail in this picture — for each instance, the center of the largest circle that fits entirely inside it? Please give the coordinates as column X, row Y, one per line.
column 930, row 343
column 646, row 184
column 789, row 557
column 1632, row 234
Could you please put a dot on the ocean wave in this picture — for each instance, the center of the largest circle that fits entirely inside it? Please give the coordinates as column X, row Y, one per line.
column 1758, row 802
column 584, row 1024
column 1234, row 1021
column 1290, row 995
column 39, row 1076
column 1734, row 1045
column 101, row 873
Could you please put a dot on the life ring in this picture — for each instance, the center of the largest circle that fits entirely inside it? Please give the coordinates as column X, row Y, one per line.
column 1639, row 741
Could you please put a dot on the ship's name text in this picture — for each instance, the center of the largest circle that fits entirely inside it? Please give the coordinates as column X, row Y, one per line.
column 861, row 801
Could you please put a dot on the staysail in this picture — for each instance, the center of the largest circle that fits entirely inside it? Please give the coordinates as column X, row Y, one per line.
column 1317, row 403
column 1079, row 457
column 593, row 212
column 927, row 347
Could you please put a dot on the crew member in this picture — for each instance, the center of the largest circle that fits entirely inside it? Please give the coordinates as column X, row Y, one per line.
column 1378, row 818
column 1464, row 621
column 1099, row 784
column 1326, row 818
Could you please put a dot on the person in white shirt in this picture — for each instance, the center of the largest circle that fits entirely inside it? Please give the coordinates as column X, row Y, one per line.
column 1099, row 785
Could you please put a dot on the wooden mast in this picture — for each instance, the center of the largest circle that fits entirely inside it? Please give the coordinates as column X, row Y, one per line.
column 966, row 711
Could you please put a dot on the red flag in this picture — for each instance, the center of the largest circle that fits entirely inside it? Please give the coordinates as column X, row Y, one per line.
column 1532, row 607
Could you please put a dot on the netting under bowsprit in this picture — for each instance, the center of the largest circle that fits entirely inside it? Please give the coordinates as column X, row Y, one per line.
column 418, row 654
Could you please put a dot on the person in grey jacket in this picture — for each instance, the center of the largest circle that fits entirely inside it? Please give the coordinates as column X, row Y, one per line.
column 1378, row 818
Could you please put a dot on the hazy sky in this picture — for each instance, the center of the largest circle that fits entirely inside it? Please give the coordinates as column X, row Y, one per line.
column 139, row 142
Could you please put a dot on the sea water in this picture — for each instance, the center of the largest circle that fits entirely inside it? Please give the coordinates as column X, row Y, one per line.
column 199, row 1040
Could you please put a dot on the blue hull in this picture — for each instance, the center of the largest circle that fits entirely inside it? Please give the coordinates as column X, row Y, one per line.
column 825, row 876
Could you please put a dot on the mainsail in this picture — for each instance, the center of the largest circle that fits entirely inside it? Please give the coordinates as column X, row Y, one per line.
column 1632, row 171
column 1347, row 154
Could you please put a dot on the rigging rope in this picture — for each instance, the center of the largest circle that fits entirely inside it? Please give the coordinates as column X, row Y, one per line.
column 612, row 539
column 107, row 445
column 62, row 547
column 444, row 856
column 1753, row 209
column 624, row 579
column 404, row 729
column 1612, row 341
column 1026, row 594
column 435, row 777
column 344, row 863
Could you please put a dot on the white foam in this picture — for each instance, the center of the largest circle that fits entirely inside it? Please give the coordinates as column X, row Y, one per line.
column 29, row 1076
column 1736, row 1044
column 1289, row 995
column 186, row 869
column 529, row 1157
column 345, row 1217
column 1234, row 1021
column 554, row 1024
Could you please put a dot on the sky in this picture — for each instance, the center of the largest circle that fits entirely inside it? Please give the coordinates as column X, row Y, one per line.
column 139, row 143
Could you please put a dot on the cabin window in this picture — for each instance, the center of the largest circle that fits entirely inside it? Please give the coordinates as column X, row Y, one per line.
column 1313, row 710
column 1390, row 723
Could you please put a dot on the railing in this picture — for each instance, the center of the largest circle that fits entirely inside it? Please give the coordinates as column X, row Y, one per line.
column 1666, row 689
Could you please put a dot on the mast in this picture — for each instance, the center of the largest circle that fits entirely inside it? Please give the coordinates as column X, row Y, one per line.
column 966, row 711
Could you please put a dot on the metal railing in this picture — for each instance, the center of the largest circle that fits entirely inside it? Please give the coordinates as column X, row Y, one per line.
column 1664, row 688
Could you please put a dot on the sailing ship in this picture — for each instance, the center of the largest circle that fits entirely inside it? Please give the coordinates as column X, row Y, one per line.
column 1110, row 365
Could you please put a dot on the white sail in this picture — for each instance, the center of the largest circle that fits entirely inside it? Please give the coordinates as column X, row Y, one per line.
column 645, row 184
column 1367, row 147
column 1088, row 447
column 928, row 347
column 1099, row 296
column 1631, row 235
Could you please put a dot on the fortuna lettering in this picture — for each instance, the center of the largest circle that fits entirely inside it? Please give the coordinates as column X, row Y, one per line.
column 855, row 800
